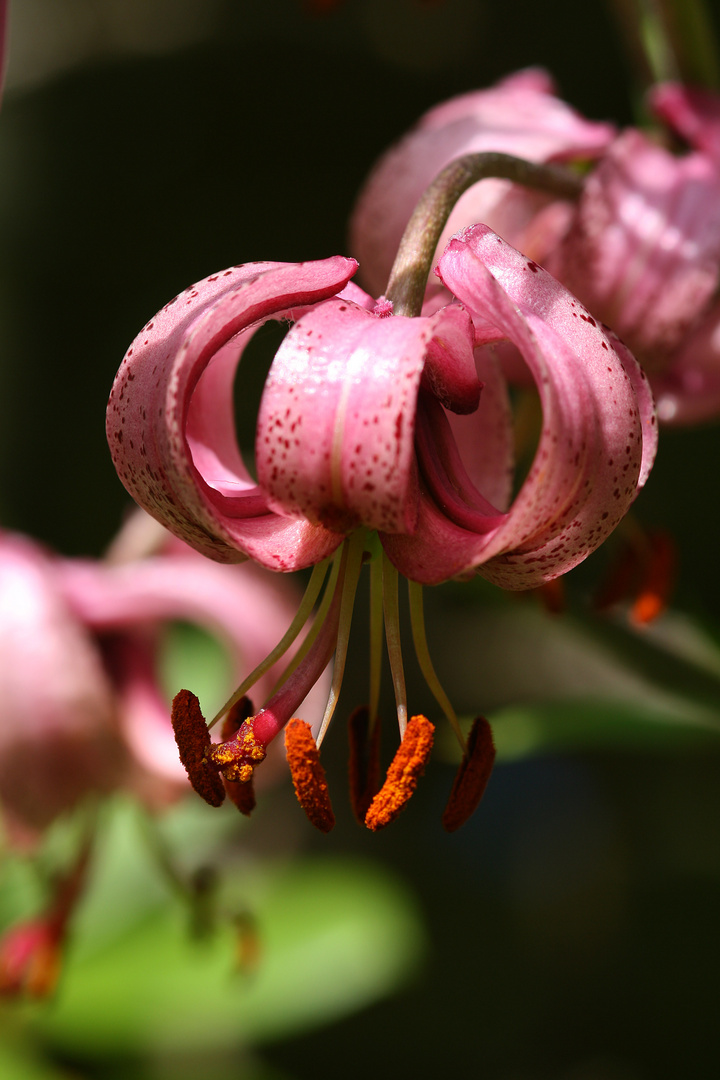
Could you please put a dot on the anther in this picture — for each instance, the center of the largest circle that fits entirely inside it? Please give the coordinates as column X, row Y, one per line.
column 241, row 793
column 405, row 770
column 308, row 775
column 364, row 764
column 472, row 776
column 194, row 745
column 658, row 579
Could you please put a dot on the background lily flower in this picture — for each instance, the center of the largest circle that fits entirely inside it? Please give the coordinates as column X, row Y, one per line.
column 520, row 115
column 81, row 706
column 643, row 253
column 641, row 248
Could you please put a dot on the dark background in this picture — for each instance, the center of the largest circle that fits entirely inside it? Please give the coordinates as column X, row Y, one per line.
column 573, row 923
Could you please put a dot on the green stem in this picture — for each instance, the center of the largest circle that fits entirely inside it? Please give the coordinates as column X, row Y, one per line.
column 408, row 278
column 669, row 40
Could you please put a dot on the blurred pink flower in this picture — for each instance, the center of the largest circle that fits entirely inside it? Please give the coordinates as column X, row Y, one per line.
column 641, row 249
column 520, row 115
column 81, row 709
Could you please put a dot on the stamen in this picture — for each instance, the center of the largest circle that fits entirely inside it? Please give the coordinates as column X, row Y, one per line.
column 472, row 776
column 405, row 770
column 391, row 609
column 303, row 614
column 417, row 623
column 194, row 745
column 658, row 579
column 376, row 636
column 364, row 764
column 242, row 794
column 355, row 546
column 339, row 561
column 551, row 595
column 308, row 775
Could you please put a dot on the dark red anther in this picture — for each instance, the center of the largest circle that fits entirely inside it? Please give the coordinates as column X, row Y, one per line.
column 472, row 776
column 193, row 742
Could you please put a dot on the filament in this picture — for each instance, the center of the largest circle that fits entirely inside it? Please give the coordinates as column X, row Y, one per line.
column 391, row 609
column 417, row 622
column 303, row 613
column 355, row 548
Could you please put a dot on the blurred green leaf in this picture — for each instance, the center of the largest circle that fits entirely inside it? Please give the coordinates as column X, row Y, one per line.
column 331, row 937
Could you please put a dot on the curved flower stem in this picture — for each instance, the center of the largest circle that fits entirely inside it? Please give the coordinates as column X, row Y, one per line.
column 417, row 622
column 391, row 610
column 355, row 548
column 376, row 638
column 408, row 277
column 303, row 613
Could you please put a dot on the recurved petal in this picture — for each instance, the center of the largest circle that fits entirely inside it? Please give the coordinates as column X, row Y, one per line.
column 518, row 116
column 598, row 434
column 644, row 250
column 337, row 417
column 170, row 421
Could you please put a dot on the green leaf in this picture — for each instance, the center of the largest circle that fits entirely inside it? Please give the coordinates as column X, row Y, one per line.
column 332, row 936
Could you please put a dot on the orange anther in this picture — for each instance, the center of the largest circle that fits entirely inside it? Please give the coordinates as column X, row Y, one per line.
column 193, row 741
column 308, row 775
column 364, row 764
column 472, row 776
column 658, row 579
column 405, row 770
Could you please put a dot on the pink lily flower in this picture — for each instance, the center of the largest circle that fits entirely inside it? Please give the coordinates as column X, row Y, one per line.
column 374, row 422
column 641, row 248
column 82, row 710
column 643, row 253
column 520, row 115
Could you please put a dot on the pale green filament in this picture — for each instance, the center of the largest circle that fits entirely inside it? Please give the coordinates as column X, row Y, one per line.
column 303, row 613
column 391, row 609
column 339, row 560
column 417, row 622
column 376, row 638
column 355, row 547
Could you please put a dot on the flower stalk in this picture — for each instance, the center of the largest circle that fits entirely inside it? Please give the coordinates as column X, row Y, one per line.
column 409, row 275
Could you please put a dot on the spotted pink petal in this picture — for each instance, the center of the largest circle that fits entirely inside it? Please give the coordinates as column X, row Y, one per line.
column 335, row 436
column 518, row 116
column 644, row 250
column 170, row 421
column 598, row 438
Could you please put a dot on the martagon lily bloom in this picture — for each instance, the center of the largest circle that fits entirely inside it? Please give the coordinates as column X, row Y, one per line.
column 382, row 437
column 640, row 245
